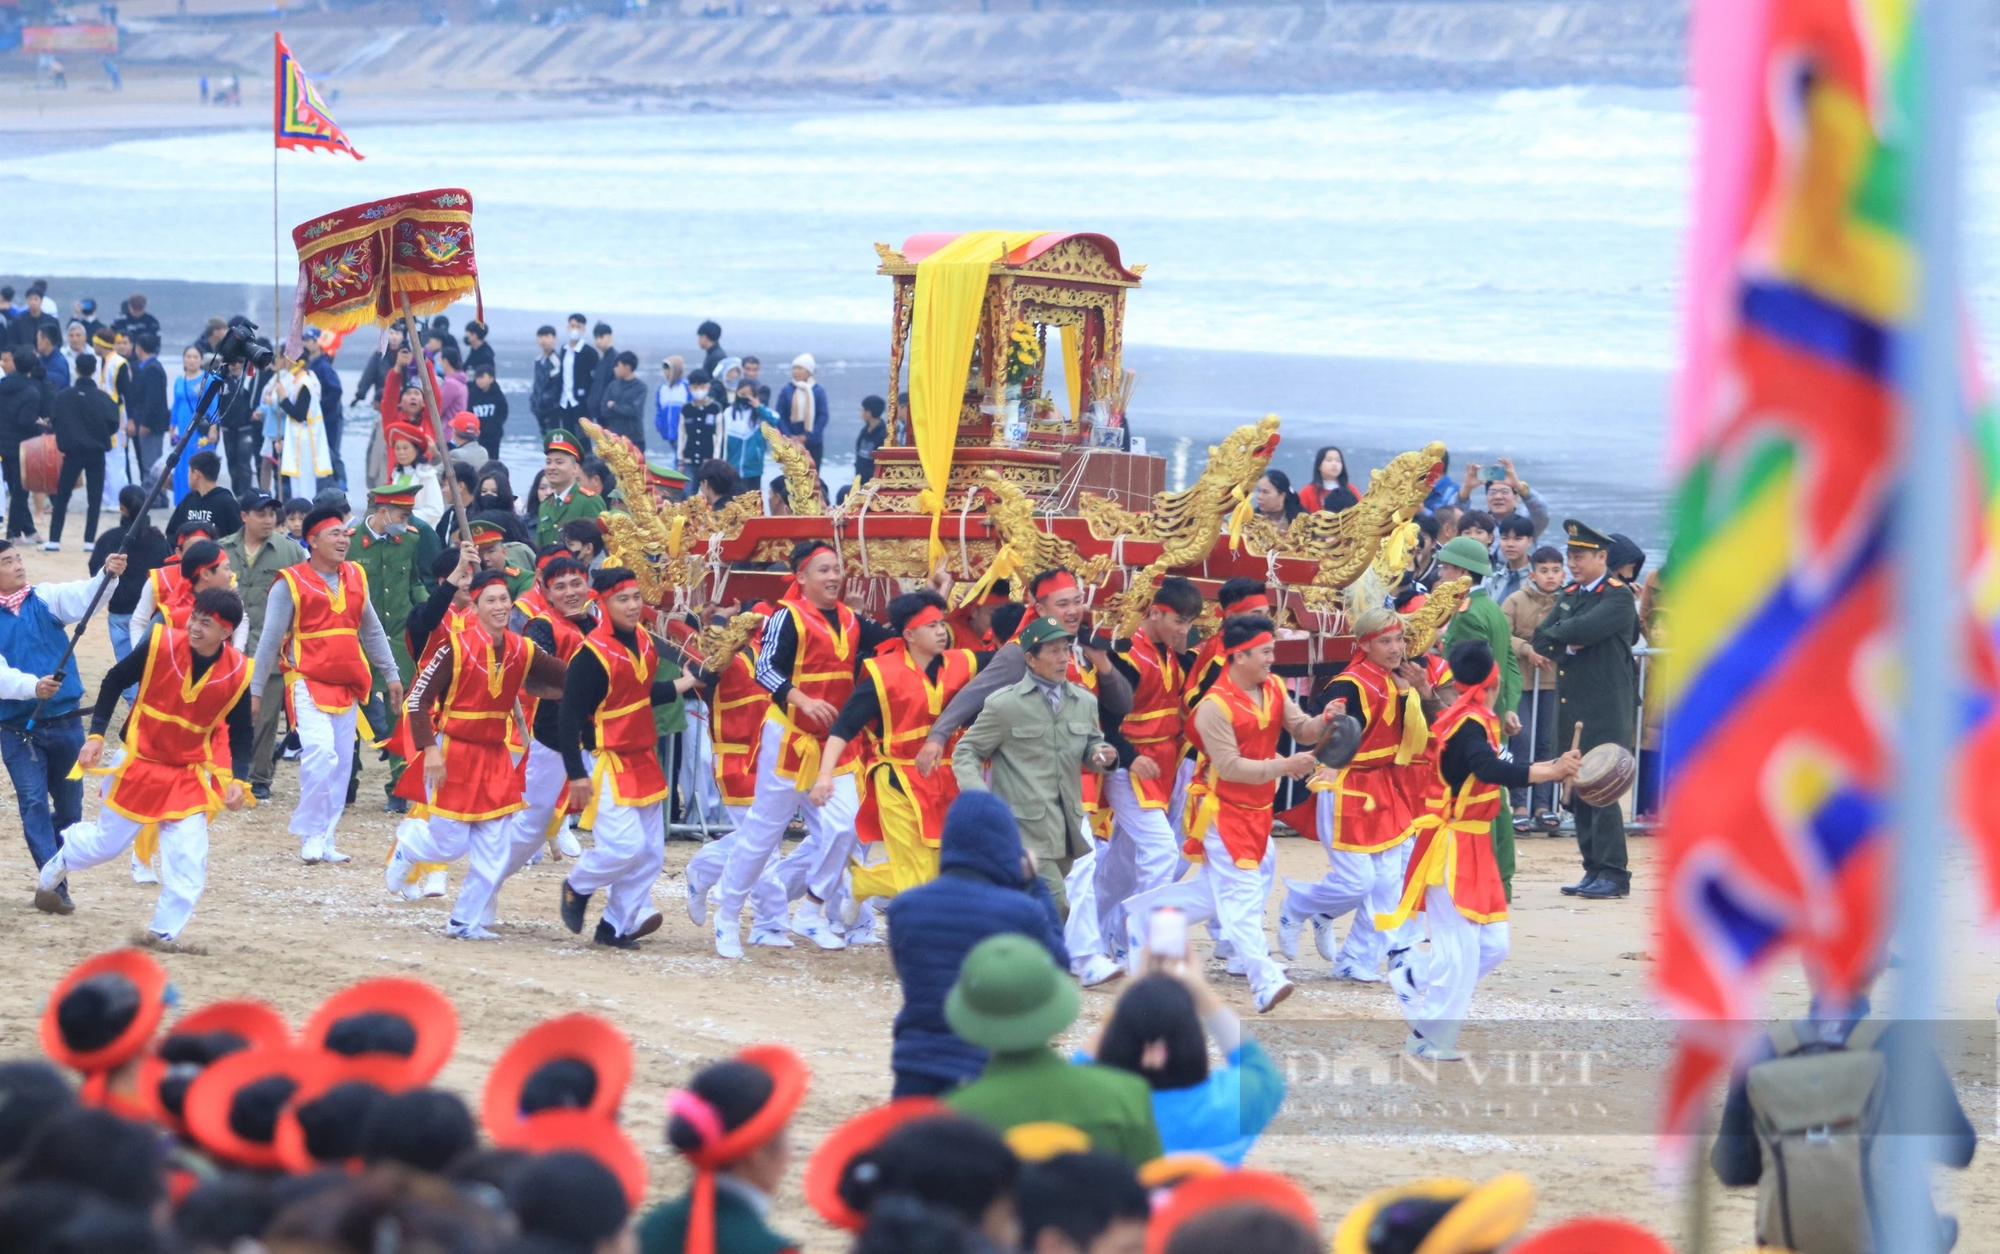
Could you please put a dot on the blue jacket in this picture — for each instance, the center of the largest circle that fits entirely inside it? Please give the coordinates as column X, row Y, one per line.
column 822, row 411
column 33, row 641
column 979, row 893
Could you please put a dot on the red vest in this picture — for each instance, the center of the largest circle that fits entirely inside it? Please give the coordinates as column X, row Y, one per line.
column 532, row 603
column 734, row 719
column 822, row 667
column 323, row 646
column 910, row 705
column 1154, row 725
column 1093, row 783
column 1241, row 812
column 177, row 747
column 475, row 724
column 964, row 637
column 1454, row 848
column 624, row 719
column 173, row 595
column 569, row 638
column 1374, row 807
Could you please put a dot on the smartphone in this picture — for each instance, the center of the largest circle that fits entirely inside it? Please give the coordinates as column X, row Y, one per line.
column 1167, row 934
column 1492, row 474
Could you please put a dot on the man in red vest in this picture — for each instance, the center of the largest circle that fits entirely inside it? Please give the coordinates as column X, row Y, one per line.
column 471, row 785
column 607, row 737
column 1237, row 725
column 1453, row 879
column 187, row 747
column 322, row 634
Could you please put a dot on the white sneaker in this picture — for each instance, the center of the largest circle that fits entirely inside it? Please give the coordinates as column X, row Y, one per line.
column 1352, row 971
column 1404, row 981
column 810, row 922
column 1266, row 1002
column 697, row 902
column 143, row 873
column 328, row 853
column 52, row 546
column 312, row 850
column 433, row 884
column 1323, row 935
column 728, row 943
column 1417, row 1047
column 1289, row 929
column 474, row 933
column 850, row 912
column 53, row 873
column 771, row 938
column 1224, row 952
column 865, row 932
column 399, row 876
column 567, row 842
column 1098, row 969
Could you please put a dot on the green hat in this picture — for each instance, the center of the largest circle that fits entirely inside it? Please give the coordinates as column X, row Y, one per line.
column 1466, row 553
column 1584, row 536
column 402, row 492
column 1010, row 996
column 1041, row 631
column 561, row 441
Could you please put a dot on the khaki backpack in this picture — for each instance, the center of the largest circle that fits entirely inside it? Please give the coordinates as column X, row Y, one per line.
column 1816, row 1107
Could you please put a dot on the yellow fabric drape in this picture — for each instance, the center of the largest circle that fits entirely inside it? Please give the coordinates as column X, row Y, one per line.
column 944, row 319
column 1072, row 350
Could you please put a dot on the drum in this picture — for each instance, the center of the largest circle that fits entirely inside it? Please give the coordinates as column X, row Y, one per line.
column 41, row 464
column 1607, row 771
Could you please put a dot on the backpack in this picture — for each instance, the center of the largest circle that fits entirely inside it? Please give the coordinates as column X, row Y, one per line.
column 1816, row 1107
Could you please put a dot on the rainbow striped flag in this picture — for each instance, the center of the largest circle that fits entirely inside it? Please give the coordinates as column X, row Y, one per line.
column 1800, row 299
column 299, row 117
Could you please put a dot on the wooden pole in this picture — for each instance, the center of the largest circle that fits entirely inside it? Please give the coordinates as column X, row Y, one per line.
column 437, row 427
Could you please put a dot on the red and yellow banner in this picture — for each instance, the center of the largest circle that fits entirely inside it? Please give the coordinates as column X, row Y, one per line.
column 356, row 265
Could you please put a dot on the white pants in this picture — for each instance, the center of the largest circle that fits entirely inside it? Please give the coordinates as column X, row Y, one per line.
column 699, row 791
column 1144, row 853
column 818, row 864
column 183, row 860
column 326, row 758
column 1461, row 952
column 1231, row 895
column 767, row 899
column 494, row 856
column 1083, row 931
column 629, row 847
column 485, row 845
column 1366, row 883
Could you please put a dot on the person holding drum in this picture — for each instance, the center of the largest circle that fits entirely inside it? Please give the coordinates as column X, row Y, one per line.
column 1590, row 633
column 1453, row 879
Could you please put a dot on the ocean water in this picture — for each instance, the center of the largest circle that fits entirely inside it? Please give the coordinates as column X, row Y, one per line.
column 1526, row 226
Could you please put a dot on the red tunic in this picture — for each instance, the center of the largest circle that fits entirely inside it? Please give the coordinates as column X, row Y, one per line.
column 911, row 703
column 822, row 667
column 1093, row 783
column 177, row 747
column 1454, row 849
column 1374, row 806
column 1240, row 812
column 1154, row 725
column 625, row 730
column 323, row 646
column 734, row 719
column 475, row 725
column 173, row 595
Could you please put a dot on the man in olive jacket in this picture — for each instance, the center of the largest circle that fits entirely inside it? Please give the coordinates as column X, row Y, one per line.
column 1036, row 739
column 1589, row 635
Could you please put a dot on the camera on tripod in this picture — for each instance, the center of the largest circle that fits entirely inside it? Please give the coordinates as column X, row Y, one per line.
column 241, row 345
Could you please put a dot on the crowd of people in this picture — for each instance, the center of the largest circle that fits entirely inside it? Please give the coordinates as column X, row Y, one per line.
column 1016, row 803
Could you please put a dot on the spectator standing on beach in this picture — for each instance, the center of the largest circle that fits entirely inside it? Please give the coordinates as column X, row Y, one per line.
column 20, row 419
column 376, row 371
column 803, row 405
column 451, row 382
column 147, row 552
column 135, row 321
column 1514, row 537
column 699, row 417
column 1504, row 496
column 545, row 383
column 487, row 403
column 1535, row 742
column 709, row 336
column 55, row 366
column 668, row 399
column 207, row 503
column 24, row 327
column 477, row 351
column 147, row 409
column 331, row 414
column 603, row 340
column 743, row 434
column 623, row 403
column 85, row 421
column 185, row 405
column 576, row 363
column 242, row 431
column 1444, row 491
column 874, row 431
column 1328, row 488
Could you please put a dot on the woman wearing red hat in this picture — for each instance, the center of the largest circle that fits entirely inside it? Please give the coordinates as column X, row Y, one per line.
column 731, row 1124
column 410, row 458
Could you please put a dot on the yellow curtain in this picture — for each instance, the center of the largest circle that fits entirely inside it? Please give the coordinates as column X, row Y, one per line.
column 1072, row 349
column 944, row 319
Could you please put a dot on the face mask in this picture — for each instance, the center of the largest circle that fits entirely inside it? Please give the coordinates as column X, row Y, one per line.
column 698, row 395
column 396, row 528
column 488, row 500
column 575, row 337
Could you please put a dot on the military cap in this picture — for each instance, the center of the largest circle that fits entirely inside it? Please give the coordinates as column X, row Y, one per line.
column 1581, row 535
column 1041, row 631
column 561, row 441
column 403, row 492
column 486, row 532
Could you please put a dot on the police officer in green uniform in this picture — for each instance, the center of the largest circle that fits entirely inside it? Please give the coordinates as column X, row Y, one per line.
column 396, row 551
column 496, row 553
column 562, row 464
column 1589, row 635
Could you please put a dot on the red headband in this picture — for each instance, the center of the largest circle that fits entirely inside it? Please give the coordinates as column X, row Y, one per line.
column 1061, row 581
column 925, row 617
column 542, row 563
column 211, row 564
column 1262, row 637
column 1380, row 631
column 630, row 581
column 1247, row 605
column 331, row 520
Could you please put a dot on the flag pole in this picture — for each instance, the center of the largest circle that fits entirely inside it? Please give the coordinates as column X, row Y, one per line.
column 1930, row 573
column 277, row 112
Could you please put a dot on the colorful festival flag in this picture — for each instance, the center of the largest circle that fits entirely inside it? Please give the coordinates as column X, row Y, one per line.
column 1787, row 429
column 356, row 265
column 299, row 116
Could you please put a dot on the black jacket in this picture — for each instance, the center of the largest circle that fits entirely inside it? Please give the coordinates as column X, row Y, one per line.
column 600, row 379
column 20, row 406
column 477, row 357
column 489, row 405
column 149, row 552
column 216, row 507
column 146, row 405
column 85, row 418
column 545, row 389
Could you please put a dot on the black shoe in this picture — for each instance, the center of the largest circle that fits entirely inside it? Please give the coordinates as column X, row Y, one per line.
column 574, row 904
column 1571, row 890
column 62, row 891
column 1603, row 888
column 606, row 936
column 261, row 791
column 649, row 925
column 396, row 805
column 353, row 789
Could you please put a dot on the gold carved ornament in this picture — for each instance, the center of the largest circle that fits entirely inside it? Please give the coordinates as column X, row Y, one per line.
column 1025, row 549
column 1422, row 627
column 716, row 643
column 661, row 542
column 1379, row 530
column 801, row 478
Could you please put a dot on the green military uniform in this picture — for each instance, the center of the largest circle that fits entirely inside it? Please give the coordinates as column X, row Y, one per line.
column 398, row 569
column 520, row 567
column 556, row 510
column 1482, row 620
column 1589, row 634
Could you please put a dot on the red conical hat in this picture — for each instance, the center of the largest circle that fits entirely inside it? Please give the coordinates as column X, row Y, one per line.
column 145, row 974
column 585, row 1038
column 427, row 1011
column 851, row 1140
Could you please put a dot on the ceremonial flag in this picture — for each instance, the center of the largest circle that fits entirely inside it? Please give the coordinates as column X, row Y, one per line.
column 1787, row 429
column 299, row 116
column 356, row 265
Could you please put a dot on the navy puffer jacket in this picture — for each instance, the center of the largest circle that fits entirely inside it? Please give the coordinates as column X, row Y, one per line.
column 979, row 893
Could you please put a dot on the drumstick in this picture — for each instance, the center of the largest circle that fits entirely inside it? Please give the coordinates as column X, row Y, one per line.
column 1575, row 743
